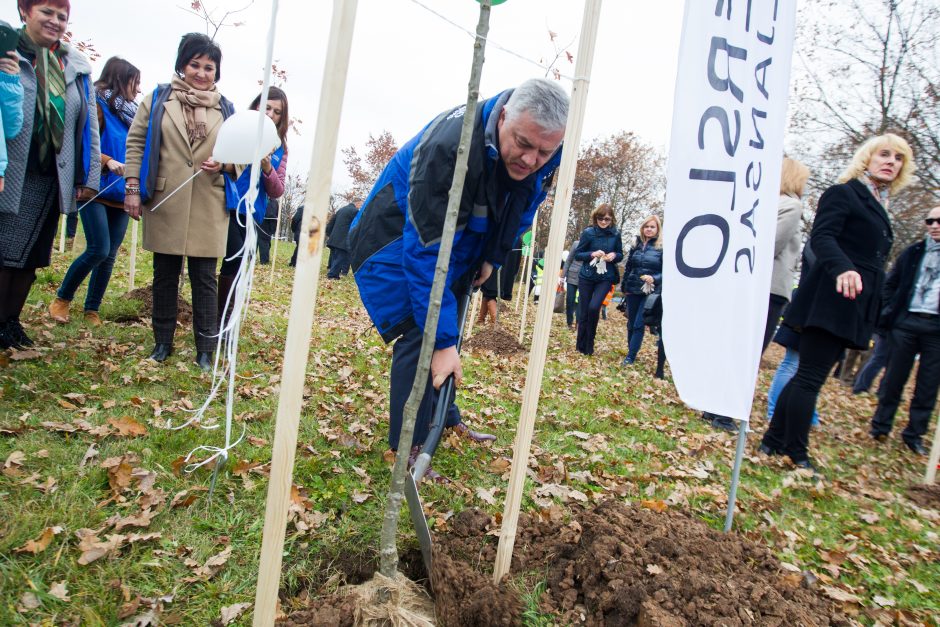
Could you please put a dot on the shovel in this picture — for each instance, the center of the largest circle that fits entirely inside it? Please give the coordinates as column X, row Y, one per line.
column 439, row 419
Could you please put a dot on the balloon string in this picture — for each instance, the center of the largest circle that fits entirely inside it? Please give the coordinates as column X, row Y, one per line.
column 186, row 182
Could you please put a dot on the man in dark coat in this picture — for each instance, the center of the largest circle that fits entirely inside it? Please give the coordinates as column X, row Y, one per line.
column 337, row 240
column 513, row 155
column 295, row 233
column 911, row 318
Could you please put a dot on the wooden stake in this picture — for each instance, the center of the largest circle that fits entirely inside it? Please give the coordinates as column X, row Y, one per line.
column 388, row 555
column 934, row 458
column 303, row 302
column 525, row 277
column 133, row 270
column 276, row 236
column 64, row 219
column 474, row 307
column 556, row 241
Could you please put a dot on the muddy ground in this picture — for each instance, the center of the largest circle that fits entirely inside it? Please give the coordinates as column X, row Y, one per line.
column 496, row 339
column 145, row 296
column 927, row 496
column 613, row 564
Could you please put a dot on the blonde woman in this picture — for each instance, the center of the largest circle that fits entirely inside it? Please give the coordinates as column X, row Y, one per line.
column 642, row 276
column 850, row 241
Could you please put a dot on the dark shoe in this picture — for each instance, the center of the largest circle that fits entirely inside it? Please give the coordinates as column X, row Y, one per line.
column 805, row 464
column 430, row 473
column 19, row 335
column 204, row 360
column 879, row 437
column 725, row 424
column 161, row 352
column 6, row 338
column 916, row 447
column 628, row 361
column 766, row 450
column 476, row 436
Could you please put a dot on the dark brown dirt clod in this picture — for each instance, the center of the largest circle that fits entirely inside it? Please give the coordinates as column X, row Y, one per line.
column 494, row 339
column 925, row 495
column 145, row 295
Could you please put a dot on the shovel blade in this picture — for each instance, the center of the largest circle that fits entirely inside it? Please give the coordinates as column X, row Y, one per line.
column 418, row 520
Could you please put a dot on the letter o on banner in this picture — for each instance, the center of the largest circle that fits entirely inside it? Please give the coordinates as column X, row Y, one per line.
column 709, row 219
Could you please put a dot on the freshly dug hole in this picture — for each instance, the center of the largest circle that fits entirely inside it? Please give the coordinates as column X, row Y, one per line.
column 144, row 294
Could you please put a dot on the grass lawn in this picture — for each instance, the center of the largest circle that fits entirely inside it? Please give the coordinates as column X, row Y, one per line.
column 101, row 524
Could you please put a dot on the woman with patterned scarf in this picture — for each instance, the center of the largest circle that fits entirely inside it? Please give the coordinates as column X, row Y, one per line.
column 839, row 297
column 173, row 182
column 103, row 220
column 54, row 160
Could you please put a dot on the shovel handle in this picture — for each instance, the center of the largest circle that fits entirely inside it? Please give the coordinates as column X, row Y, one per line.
column 444, row 399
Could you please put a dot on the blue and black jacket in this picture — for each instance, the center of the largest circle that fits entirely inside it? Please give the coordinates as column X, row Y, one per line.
column 395, row 237
column 238, row 189
column 643, row 259
column 113, row 144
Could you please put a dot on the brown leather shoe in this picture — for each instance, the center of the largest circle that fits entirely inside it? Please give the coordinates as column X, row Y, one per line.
column 92, row 318
column 59, row 309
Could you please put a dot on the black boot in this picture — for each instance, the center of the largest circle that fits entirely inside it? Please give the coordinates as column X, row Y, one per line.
column 161, row 352
column 19, row 335
column 204, row 360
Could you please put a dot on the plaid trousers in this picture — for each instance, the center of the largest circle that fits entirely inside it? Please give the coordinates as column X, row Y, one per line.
column 166, row 275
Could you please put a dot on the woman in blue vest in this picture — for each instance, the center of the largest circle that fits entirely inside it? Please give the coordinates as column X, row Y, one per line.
column 103, row 220
column 270, row 185
column 599, row 244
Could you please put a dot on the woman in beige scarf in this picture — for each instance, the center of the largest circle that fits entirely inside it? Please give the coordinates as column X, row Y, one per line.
column 179, row 122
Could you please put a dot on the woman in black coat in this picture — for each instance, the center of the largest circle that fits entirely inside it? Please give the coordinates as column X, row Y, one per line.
column 838, row 299
column 600, row 242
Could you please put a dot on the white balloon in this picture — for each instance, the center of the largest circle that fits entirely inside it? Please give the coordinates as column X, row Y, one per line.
column 236, row 140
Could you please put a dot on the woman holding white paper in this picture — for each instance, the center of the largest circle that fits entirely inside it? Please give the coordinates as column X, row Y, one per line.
column 838, row 299
column 600, row 248
column 170, row 165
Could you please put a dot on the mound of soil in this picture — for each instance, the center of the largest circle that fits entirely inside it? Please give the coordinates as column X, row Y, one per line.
column 621, row 564
column 145, row 295
column 925, row 495
column 495, row 339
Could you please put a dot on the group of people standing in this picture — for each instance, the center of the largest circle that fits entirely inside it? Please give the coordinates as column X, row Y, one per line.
column 90, row 148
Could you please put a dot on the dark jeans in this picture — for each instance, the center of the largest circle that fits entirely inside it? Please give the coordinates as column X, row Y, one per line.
column 774, row 309
column 265, row 232
column 635, row 327
column 166, row 277
column 591, row 295
column 572, row 311
column 338, row 264
column 405, row 353
column 878, row 360
column 71, row 225
column 911, row 336
column 789, row 427
column 104, row 231
column 233, row 245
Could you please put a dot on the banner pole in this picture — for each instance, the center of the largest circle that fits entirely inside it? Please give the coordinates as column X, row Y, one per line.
column 736, row 473
column 543, row 321
column 276, row 236
column 303, row 303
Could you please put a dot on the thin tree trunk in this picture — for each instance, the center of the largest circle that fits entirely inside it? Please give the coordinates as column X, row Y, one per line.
column 389, row 549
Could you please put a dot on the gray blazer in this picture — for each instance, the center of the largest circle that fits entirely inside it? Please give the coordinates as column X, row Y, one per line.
column 786, row 245
column 572, row 266
column 18, row 148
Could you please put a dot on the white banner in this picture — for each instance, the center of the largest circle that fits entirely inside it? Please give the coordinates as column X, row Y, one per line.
column 721, row 197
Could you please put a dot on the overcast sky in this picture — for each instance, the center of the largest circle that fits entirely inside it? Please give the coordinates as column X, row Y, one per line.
column 407, row 64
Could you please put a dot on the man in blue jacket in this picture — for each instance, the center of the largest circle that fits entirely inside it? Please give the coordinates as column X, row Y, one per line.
column 395, row 237
column 911, row 317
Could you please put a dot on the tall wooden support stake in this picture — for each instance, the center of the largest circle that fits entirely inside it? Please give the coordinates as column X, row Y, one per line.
column 275, row 236
column 303, row 301
column 388, row 554
column 133, row 270
column 62, row 234
column 530, row 267
column 543, row 321
column 524, row 279
column 934, row 458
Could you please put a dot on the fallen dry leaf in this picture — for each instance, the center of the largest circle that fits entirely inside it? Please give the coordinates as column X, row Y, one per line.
column 93, row 548
column 29, row 601
column 59, row 591
column 231, row 612
column 653, row 569
column 360, row 497
column 127, row 427
column 656, row 506
column 487, row 496
column 16, row 355
column 187, row 497
column 41, row 543
column 120, row 471
column 840, row 595
column 213, row 565
column 89, row 455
